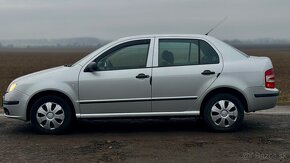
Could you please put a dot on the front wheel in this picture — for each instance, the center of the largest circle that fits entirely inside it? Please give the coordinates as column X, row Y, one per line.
column 51, row 115
column 223, row 112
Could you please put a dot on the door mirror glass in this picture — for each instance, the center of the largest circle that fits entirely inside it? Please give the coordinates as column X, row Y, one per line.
column 91, row 67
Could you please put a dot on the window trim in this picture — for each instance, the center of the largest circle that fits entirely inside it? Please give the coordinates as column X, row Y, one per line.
column 189, row 40
column 123, row 45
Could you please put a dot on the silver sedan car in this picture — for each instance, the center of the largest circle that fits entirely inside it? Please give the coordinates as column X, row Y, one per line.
column 147, row 76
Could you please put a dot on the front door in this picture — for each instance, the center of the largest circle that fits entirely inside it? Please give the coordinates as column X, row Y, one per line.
column 121, row 82
column 183, row 70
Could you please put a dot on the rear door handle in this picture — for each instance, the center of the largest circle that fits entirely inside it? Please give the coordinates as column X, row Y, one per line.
column 142, row 76
column 208, row 72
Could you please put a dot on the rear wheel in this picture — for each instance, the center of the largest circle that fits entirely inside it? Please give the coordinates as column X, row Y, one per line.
column 51, row 114
column 223, row 112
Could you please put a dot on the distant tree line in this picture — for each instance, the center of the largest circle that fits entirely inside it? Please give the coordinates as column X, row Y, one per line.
column 78, row 42
column 6, row 46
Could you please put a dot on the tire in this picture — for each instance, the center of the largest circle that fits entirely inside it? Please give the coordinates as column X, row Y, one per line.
column 51, row 115
column 223, row 112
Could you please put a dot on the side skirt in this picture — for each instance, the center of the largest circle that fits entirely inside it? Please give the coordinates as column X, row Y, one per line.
column 132, row 115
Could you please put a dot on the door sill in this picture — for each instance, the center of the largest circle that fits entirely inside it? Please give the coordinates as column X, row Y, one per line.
column 153, row 114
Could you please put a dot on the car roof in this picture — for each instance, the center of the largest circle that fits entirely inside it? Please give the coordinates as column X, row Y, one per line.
column 166, row 35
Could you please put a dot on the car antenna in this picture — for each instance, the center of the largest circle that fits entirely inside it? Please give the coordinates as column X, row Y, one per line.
column 219, row 23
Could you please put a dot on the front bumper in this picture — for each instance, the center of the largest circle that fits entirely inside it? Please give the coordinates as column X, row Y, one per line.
column 261, row 98
column 14, row 105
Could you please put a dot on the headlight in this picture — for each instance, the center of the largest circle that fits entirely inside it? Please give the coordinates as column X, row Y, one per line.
column 11, row 87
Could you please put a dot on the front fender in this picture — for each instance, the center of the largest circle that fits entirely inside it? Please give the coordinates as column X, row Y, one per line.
column 70, row 89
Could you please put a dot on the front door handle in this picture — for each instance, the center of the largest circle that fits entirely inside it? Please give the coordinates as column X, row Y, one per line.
column 142, row 76
column 208, row 72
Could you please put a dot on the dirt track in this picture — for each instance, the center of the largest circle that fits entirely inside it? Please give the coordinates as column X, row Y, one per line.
column 262, row 138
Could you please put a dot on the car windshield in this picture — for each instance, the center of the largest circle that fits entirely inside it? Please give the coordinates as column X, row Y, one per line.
column 77, row 62
column 92, row 53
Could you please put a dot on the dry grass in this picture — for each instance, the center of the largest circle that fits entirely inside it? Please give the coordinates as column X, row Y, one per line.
column 18, row 62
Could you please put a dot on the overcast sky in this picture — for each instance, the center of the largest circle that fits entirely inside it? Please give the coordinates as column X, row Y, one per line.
column 111, row 19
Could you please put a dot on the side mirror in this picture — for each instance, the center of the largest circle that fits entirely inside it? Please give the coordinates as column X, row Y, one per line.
column 91, row 67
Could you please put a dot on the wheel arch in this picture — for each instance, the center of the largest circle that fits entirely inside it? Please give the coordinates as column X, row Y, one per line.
column 47, row 93
column 228, row 90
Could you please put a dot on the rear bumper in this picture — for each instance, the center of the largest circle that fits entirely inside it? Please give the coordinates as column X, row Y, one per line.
column 261, row 98
column 267, row 95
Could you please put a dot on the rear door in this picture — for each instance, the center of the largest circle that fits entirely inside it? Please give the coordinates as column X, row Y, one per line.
column 183, row 70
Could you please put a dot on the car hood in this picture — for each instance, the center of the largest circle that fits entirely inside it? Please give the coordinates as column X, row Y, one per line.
column 40, row 73
column 48, row 79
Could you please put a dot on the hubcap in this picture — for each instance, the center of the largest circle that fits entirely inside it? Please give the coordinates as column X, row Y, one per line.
column 224, row 113
column 50, row 115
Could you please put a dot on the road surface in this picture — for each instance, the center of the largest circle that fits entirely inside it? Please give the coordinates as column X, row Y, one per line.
column 264, row 136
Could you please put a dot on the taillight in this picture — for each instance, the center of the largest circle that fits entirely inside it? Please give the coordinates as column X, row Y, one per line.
column 270, row 78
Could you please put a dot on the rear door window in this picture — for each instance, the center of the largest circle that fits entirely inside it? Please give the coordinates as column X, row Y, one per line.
column 179, row 52
column 207, row 54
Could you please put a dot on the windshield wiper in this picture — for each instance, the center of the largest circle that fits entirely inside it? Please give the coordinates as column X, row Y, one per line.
column 67, row 65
